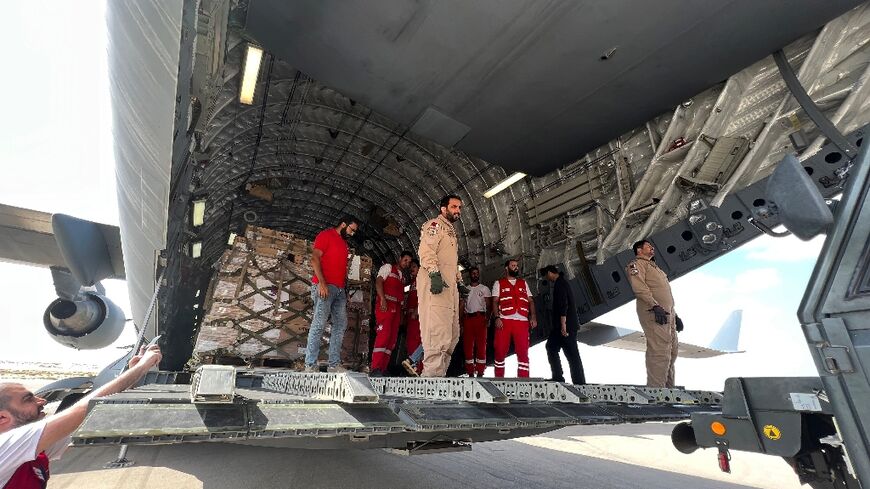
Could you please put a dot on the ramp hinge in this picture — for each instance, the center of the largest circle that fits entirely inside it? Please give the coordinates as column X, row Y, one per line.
column 836, row 359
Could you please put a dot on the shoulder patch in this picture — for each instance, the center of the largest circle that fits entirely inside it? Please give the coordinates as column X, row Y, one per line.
column 430, row 226
column 632, row 268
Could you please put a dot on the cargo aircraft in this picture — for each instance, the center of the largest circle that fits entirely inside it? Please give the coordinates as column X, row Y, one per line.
column 570, row 130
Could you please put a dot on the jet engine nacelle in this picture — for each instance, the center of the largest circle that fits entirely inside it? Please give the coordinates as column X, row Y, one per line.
column 89, row 322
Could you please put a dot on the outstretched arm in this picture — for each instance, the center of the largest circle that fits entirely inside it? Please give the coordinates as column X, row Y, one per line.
column 62, row 424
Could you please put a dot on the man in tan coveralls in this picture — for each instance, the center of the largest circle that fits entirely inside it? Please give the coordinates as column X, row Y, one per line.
column 655, row 309
column 437, row 288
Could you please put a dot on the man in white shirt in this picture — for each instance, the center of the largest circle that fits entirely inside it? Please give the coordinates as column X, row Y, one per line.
column 475, row 319
column 515, row 312
column 29, row 438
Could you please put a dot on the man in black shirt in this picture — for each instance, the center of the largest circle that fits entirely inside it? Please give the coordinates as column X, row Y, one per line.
column 565, row 324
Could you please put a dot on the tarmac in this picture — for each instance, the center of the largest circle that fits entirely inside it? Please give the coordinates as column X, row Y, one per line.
column 576, row 457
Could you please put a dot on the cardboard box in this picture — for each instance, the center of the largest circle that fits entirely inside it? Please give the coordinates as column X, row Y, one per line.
column 260, row 305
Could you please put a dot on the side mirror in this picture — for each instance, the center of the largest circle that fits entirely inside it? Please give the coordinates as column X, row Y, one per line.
column 801, row 207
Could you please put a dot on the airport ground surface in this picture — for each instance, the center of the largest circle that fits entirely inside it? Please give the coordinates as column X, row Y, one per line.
column 577, row 457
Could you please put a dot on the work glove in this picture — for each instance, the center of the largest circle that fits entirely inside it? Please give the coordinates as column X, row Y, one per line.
column 438, row 284
column 463, row 289
column 679, row 323
column 661, row 314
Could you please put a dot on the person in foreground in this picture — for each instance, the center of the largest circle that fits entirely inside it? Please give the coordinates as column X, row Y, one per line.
column 29, row 438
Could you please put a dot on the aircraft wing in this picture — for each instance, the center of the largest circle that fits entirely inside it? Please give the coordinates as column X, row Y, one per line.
column 600, row 334
column 27, row 237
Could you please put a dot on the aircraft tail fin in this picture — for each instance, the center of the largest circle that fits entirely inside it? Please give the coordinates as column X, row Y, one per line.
column 728, row 337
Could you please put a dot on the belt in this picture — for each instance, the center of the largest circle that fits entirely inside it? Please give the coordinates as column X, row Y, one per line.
column 474, row 313
column 391, row 298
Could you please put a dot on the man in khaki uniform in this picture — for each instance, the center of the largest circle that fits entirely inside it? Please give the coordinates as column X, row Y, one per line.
column 438, row 288
column 655, row 309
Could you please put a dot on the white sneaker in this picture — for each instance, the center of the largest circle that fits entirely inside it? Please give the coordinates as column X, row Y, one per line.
column 338, row 369
column 312, row 369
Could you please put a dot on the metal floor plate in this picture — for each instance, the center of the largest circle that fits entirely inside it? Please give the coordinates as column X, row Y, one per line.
column 397, row 411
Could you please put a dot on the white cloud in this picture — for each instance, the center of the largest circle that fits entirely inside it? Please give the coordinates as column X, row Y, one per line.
column 757, row 279
column 788, row 249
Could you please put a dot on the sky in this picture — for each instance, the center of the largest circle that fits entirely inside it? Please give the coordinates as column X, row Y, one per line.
column 56, row 156
column 766, row 278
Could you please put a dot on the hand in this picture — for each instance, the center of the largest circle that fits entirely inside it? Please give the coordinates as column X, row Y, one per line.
column 660, row 313
column 679, row 323
column 533, row 323
column 151, row 356
column 384, row 304
column 323, row 290
column 564, row 330
column 438, row 284
column 136, row 358
column 463, row 290
column 498, row 324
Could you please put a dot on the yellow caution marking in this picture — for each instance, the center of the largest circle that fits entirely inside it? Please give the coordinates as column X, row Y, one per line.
column 772, row 432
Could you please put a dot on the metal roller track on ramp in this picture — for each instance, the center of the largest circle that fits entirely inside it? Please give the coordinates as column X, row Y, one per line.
column 350, row 410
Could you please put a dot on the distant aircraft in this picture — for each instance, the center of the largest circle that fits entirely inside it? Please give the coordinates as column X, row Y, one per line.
column 725, row 342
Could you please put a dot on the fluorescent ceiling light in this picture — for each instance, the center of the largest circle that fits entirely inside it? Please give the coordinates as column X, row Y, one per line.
column 249, row 79
column 507, row 182
column 196, row 249
column 232, row 238
column 198, row 212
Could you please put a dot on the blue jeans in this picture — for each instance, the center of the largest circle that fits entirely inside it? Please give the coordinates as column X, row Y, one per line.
column 335, row 305
column 417, row 355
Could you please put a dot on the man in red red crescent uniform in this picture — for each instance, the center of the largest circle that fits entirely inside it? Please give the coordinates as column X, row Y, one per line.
column 390, row 287
column 29, row 438
column 515, row 312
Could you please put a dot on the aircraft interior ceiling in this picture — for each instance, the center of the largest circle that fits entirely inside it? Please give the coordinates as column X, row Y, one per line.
column 304, row 153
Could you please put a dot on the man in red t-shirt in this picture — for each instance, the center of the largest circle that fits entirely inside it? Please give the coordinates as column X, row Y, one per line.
column 329, row 261
column 29, row 438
